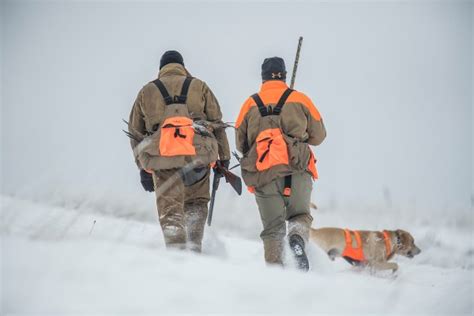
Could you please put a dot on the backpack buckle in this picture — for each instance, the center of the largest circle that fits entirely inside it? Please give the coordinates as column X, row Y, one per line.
column 168, row 100
column 179, row 99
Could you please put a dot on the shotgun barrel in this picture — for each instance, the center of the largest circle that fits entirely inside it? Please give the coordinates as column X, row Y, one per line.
column 295, row 66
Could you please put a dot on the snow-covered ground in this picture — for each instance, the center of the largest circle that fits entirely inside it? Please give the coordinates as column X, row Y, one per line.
column 392, row 80
column 74, row 261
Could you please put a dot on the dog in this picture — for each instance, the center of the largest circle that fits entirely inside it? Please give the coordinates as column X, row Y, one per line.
column 366, row 248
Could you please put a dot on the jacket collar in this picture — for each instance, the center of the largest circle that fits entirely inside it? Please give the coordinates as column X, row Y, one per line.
column 173, row 69
column 273, row 84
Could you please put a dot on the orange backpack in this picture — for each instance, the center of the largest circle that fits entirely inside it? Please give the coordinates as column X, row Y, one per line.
column 175, row 143
column 274, row 154
column 272, row 149
column 177, row 132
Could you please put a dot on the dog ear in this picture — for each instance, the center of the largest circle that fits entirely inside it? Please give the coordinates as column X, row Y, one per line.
column 404, row 237
column 402, row 233
column 401, row 238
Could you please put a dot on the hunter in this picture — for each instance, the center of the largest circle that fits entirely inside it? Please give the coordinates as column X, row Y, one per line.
column 173, row 155
column 273, row 132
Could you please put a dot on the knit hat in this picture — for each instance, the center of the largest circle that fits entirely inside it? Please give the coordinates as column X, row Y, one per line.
column 273, row 68
column 171, row 56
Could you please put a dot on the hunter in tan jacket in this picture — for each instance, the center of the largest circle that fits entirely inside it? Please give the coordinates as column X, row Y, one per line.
column 274, row 130
column 182, row 206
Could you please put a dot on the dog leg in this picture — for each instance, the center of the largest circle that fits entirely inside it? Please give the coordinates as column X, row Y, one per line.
column 380, row 266
column 333, row 253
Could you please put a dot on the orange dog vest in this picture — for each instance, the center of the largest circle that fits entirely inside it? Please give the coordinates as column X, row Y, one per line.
column 355, row 255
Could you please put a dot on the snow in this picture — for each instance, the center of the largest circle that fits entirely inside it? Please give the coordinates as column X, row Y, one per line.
column 393, row 82
column 67, row 261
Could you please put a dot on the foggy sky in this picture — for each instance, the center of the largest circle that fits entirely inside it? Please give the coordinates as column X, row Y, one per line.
column 393, row 82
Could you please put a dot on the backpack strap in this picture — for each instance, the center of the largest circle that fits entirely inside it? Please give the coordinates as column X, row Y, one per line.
column 177, row 99
column 281, row 102
column 163, row 91
column 184, row 91
column 260, row 105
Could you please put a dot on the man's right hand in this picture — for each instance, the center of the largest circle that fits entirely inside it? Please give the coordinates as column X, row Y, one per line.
column 221, row 164
column 146, row 179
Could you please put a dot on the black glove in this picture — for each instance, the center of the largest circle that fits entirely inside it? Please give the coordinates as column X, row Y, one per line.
column 221, row 164
column 147, row 181
column 224, row 163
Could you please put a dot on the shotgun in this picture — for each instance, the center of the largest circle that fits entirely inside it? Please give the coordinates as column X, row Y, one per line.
column 297, row 59
column 219, row 172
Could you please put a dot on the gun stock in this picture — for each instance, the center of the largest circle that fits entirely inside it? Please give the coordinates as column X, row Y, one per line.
column 232, row 179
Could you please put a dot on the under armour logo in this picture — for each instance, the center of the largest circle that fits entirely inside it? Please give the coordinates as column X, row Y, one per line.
column 275, row 75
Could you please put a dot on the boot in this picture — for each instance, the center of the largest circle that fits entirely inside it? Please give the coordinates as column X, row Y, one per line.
column 195, row 218
column 273, row 249
column 297, row 247
column 175, row 237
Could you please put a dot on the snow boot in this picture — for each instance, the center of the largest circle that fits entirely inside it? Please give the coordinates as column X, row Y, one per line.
column 297, row 247
column 273, row 249
column 195, row 215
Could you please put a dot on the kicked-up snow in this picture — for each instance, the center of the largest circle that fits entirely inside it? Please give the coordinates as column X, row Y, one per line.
column 66, row 261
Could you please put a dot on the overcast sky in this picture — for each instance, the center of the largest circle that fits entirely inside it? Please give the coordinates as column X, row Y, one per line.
column 392, row 80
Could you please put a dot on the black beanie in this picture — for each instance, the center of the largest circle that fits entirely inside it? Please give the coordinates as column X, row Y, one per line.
column 273, row 69
column 171, row 56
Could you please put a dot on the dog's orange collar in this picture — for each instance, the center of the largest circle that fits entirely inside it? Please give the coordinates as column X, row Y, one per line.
column 388, row 243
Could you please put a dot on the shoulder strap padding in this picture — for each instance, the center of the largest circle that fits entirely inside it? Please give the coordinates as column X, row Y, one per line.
column 184, row 91
column 277, row 110
column 281, row 102
column 163, row 91
column 260, row 105
column 177, row 99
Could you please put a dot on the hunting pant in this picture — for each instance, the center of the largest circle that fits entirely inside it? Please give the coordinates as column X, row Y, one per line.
column 182, row 210
column 275, row 209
